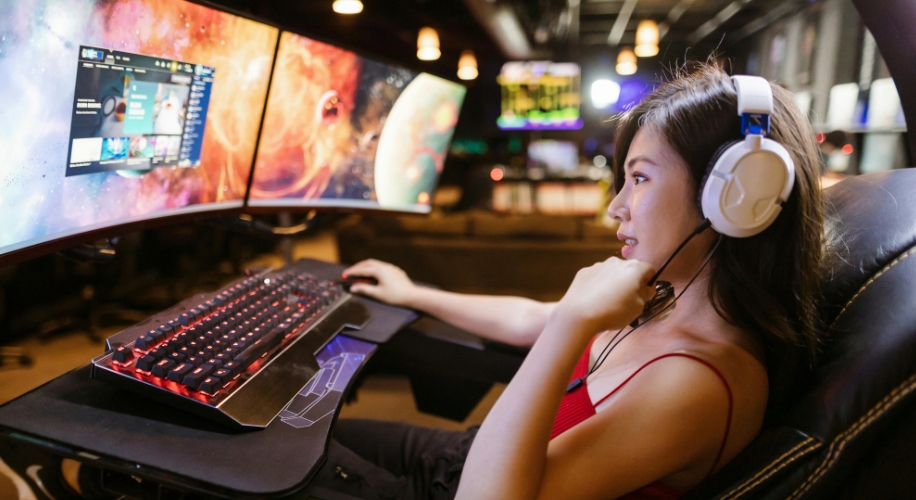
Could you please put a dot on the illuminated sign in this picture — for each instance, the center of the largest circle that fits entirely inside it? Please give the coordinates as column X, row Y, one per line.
column 539, row 95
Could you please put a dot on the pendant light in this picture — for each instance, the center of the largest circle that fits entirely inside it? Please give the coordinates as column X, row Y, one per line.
column 347, row 6
column 428, row 45
column 626, row 62
column 467, row 66
column 646, row 39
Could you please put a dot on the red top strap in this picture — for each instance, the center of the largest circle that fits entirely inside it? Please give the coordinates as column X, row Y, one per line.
column 576, row 406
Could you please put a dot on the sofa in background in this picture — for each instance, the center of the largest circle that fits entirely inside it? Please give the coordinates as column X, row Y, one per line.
column 534, row 256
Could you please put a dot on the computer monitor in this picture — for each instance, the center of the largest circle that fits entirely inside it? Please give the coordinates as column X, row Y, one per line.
column 345, row 131
column 556, row 156
column 119, row 112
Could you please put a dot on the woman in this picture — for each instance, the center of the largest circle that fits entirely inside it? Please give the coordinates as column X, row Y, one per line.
column 595, row 414
column 685, row 393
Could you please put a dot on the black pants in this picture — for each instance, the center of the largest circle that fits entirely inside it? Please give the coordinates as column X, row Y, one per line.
column 374, row 460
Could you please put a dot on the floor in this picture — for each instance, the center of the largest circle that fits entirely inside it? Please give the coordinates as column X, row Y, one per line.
column 380, row 397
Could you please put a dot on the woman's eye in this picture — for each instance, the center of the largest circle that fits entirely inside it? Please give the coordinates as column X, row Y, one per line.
column 637, row 178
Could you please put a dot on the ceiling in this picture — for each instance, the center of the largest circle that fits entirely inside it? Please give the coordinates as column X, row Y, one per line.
column 553, row 29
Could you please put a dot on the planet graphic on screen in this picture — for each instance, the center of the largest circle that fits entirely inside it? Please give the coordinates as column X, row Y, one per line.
column 412, row 145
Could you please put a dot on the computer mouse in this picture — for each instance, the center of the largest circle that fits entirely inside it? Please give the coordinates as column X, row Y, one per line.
column 346, row 283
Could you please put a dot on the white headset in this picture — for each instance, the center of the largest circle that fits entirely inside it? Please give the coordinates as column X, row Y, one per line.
column 748, row 180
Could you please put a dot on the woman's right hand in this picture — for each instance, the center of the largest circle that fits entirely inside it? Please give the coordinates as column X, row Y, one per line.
column 394, row 287
column 607, row 295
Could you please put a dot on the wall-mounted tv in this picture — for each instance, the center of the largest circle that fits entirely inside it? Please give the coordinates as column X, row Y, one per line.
column 540, row 95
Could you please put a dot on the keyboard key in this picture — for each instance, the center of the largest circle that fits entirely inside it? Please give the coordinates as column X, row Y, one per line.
column 196, row 360
column 221, row 359
column 171, row 345
column 256, row 350
column 178, row 373
column 181, row 339
column 163, row 367
column 193, row 379
column 159, row 352
column 223, row 374
column 234, row 367
column 146, row 363
column 178, row 356
column 123, row 354
column 145, row 342
column 211, row 385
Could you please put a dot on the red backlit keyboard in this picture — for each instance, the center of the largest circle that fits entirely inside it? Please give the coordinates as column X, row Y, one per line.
column 210, row 354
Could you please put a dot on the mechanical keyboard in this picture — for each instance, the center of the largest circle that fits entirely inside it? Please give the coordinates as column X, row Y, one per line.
column 237, row 355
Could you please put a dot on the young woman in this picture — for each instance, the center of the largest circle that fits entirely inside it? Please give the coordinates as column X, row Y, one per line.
column 662, row 409
column 597, row 411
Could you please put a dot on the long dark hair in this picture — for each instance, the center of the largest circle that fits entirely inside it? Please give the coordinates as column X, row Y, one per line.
column 768, row 284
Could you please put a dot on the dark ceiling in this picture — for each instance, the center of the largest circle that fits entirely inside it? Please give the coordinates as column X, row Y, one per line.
column 560, row 30
column 555, row 29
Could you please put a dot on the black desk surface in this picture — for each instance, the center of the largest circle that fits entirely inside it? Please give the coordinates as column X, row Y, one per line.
column 89, row 418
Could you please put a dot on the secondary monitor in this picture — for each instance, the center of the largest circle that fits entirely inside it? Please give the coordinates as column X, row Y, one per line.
column 556, row 156
column 341, row 130
column 116, row 112
column 539, row 95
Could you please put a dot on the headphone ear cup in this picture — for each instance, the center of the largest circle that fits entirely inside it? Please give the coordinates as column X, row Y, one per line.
column 709, row 166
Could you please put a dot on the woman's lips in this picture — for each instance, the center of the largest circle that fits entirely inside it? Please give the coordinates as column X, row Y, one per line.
column 628, row 247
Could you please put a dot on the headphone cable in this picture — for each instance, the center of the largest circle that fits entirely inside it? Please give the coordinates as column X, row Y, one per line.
column 603, row 355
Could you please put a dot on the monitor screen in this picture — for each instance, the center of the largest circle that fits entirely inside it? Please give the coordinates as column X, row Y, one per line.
column 120, row 111
column 341, row 130
column 556, row 156
column 539, row 95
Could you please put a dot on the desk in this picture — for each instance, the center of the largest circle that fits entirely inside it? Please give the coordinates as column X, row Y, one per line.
column 172, row 451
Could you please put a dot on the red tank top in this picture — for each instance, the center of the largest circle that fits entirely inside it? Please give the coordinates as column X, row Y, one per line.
column 576, row 407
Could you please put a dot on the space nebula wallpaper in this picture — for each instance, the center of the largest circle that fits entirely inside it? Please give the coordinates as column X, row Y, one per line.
column 345, row 130
column 39, row 47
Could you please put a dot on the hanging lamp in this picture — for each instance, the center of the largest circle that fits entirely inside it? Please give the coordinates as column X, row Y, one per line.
column 626, row 62
column 467, row 66
column 646, row 39
column 428, row 45
column 347, row 6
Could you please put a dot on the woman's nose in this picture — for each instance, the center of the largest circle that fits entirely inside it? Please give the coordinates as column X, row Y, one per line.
column 617, row 211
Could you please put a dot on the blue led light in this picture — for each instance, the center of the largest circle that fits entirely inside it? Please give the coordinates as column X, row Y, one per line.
column 755, row 123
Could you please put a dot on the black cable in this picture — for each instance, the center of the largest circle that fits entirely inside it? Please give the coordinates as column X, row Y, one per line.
column 697, row 230
column 611, row 345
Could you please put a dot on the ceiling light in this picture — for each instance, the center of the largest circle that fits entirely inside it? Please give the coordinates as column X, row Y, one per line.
column 347, row 6
column 646, row 39
column 428, row 45
column 467, row 66
column 604, row 93
column 626, row 62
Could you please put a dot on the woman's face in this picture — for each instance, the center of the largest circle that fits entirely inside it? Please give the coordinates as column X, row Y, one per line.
column 657, row 208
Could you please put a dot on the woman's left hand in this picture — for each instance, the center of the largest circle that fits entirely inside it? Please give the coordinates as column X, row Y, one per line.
column 608, row 295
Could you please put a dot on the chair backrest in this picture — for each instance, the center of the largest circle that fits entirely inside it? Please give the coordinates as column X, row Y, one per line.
column 866, row 377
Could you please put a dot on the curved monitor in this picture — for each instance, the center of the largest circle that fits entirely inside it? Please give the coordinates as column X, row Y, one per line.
column 345, row 131
column 121, row 111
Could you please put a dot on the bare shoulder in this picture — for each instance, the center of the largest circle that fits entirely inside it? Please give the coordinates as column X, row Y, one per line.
column 716, row 392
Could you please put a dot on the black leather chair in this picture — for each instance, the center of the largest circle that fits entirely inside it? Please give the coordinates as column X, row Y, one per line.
column 852, row 434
